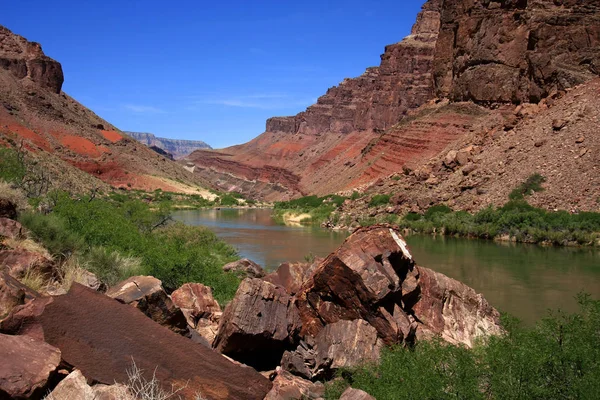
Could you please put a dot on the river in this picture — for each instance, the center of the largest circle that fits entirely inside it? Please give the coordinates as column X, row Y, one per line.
column 523, row 280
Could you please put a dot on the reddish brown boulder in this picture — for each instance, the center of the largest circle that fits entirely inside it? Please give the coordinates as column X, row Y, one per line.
column 245, row 267
column 19, row 262
column 12, row 294
column 291, row 276
column 343, row 344
column 8, row 209
column 355, row 394
column 73, row 387
column 11, row 229
column 258, row 325
column 453, row 310
column 27, row 366
column 201, row 310
column 372, row 277
column 289, row 387
column 146, row 293
column 100, row 337
column 352, row 283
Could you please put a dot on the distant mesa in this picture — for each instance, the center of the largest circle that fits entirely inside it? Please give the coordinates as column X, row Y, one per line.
column 175, row 148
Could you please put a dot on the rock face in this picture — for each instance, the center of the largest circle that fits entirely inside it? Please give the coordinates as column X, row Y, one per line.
column 12, row 294
column 11, row 229
column 258, row 325
column 453, row 310
column 147, row 294
column 245, row 267
column 515, row 51
column 373, row 277
column 291, row 276
column 480, row 51
column 27, row 366
column 73, row 387
column 178, row 148
column 201, row 310
column 18, row 262
column 343, row 344
column 289, row 387
column 100, row 336
column 26, row 59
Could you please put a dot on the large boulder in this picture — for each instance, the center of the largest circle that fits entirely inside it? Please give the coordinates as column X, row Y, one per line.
column 73, row 387
column 289, row 387
column 258, row 325
column 356, row 281
column 245, row 267
column 27, row 366
column 342, row 344
column 146, row 293
column 453, row 310
column 100, row 337
column 11, row 229
column 200, row 308
column 12, row 294
column 373, row 277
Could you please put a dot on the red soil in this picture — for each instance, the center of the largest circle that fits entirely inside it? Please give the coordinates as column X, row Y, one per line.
column 82, row 146
column 112, row 136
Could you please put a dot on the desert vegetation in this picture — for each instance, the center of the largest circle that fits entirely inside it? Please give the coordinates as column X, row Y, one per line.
column 558, row 358
column 117, row 235
column 317, row 208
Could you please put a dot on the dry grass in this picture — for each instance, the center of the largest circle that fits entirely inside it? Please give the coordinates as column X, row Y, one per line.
column 70, row 271
column 27, row 245
column 35, row 280
column 143, row 389
column 16, row 196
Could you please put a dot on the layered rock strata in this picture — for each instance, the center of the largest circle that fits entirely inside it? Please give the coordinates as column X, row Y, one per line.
column 484, row 52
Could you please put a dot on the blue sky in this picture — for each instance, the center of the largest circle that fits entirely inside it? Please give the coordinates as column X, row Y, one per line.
column 212, row 71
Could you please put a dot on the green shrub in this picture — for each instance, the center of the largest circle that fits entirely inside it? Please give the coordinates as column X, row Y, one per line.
column 111, row 267
column 440, row 209
column 379, row 200
column 558, row 358
column 52, row 231
column 228, row 200
column 12, row 169
column 532, row 184
column 179, row 253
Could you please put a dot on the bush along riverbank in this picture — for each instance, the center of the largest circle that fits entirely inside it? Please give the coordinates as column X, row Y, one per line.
column 309, row 209
column 516, row 220
column 559, row 358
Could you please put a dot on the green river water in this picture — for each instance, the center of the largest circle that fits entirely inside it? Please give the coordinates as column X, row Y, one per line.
column 523, row 280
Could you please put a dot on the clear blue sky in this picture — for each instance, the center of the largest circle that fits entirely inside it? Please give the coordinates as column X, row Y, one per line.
column 213, row 71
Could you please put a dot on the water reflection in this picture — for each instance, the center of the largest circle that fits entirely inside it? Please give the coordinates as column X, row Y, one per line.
column 524, row 280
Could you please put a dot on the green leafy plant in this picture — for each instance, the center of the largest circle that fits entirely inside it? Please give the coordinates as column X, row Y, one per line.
column 379, row 200
column 527, row 188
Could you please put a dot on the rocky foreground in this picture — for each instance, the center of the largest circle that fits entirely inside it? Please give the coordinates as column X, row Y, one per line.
column 281, row 337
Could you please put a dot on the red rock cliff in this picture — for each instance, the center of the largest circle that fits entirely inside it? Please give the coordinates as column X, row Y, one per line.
column 26, row 59
column 481, row 51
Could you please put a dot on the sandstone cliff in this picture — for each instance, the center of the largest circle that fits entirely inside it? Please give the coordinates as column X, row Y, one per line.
column 75, row 148
column 178, row 148
column 486, row 53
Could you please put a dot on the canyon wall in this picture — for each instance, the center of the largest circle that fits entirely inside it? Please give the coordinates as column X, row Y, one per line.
column 490, row 54
column 25, row 59
column 177, row 147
